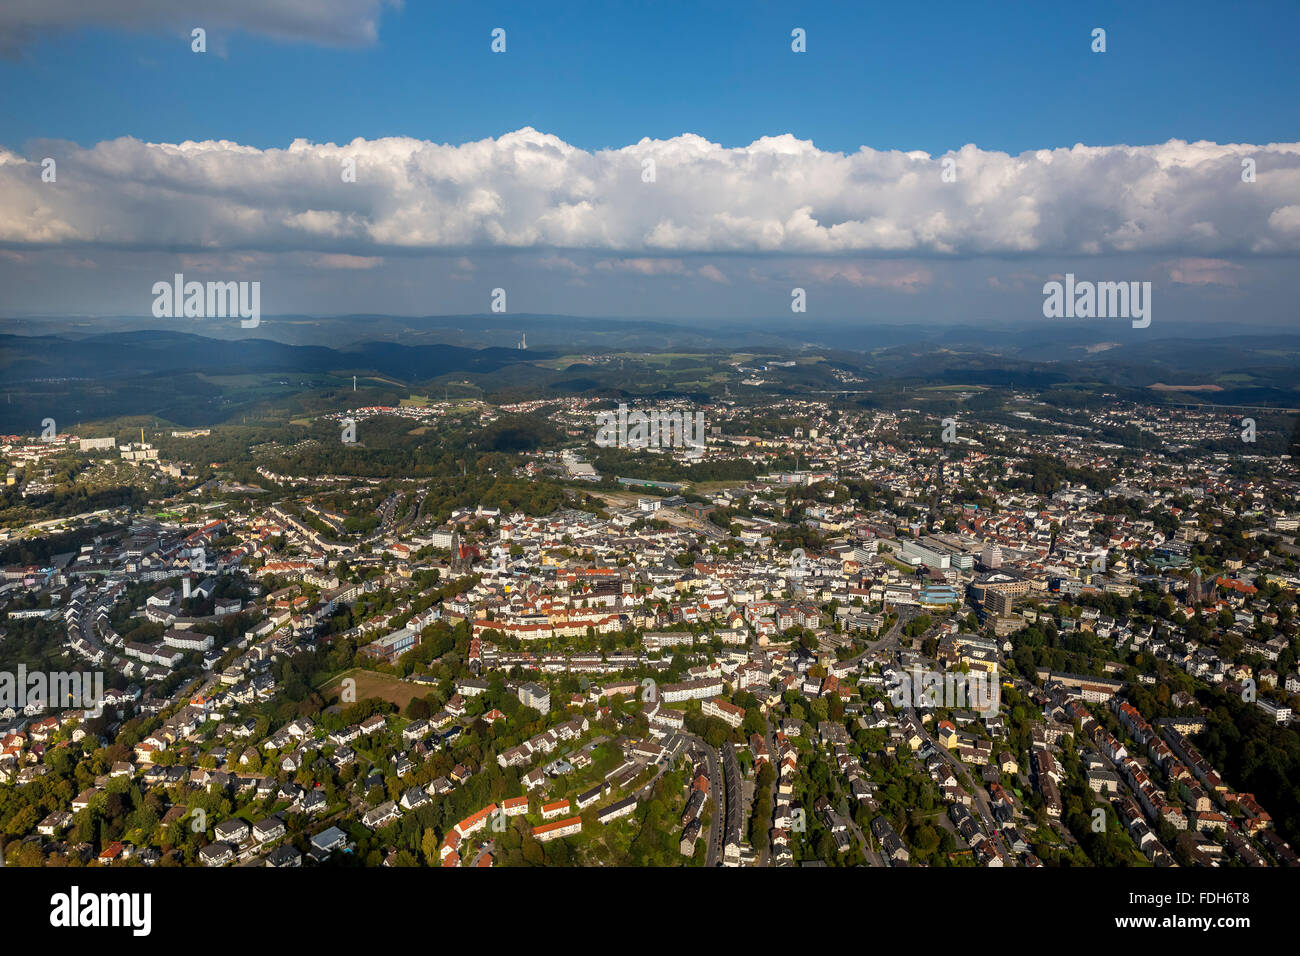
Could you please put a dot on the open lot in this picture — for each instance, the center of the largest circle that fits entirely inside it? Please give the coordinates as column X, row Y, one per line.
column 371, row 684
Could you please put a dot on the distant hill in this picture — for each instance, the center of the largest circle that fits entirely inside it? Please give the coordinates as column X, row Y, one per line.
column 192, row 380
column 83, row 373
column 25, row 358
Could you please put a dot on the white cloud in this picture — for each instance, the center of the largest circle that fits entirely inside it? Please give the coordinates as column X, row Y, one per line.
column 341, row 260
column 562, row 263
column 219, row 261
column 530, row 191
column 899, row 276
column 645, row 267
column 1203, row 272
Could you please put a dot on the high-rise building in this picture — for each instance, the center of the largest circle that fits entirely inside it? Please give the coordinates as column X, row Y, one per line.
column 535, row 696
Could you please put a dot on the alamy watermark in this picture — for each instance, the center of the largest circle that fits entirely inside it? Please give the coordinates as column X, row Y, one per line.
column 656, row 428
column 215, row 300
column 1098, row 300
column 73, row 909
column 37, row 691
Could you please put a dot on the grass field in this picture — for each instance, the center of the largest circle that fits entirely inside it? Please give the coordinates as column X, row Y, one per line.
column 706, row 487
column 371, row 684
column 616, row 499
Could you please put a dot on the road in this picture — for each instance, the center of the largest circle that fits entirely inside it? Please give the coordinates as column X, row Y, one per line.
column 888, row 639
column 868, row 848
column 717, row 821
column 773, row 755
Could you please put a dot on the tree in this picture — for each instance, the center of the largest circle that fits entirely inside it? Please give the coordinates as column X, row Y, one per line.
column 429, row 847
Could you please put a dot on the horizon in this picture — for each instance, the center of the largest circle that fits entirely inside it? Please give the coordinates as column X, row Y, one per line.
column 704, row 173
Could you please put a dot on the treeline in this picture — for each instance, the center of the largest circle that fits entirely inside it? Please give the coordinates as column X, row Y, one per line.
column 1042, row 646
column 1043, row 476
column 40, row 550
column 67, row 500
column 387, row 445
column 1256, row 756
column 612, row 462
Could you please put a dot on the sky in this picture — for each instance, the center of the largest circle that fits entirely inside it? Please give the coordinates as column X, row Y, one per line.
column 923, row 163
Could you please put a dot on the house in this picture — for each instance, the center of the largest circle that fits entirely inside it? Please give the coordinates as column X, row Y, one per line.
column 54, row 823
column 284, row 857
column 381, row 815
column 615, row 810
column 346, row 736
column 312, row 802
column 327, row 842
column 690, row 835
column 1103, row 781
column 891, row 844
column 729, row 713
column 557, row 829
column 515, row 806
column 416, row 730
column 233, row 830
column 216, row 854
column 414, row 798
column 272, row 828
column 552, row 810
column 113, row 852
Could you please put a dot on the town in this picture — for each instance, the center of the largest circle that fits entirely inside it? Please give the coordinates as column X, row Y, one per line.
column 568, row 653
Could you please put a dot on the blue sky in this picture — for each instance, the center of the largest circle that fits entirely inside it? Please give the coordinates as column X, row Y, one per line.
column 930, row 76
column 820, row 170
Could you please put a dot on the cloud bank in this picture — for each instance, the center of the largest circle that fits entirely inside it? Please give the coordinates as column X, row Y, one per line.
column 527, row 190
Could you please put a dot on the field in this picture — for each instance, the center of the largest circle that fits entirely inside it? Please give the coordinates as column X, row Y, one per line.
column 371, row 684
column 616, row 499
